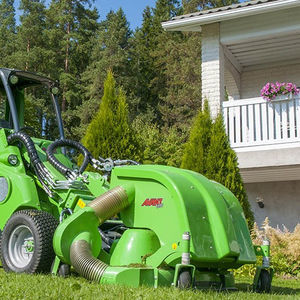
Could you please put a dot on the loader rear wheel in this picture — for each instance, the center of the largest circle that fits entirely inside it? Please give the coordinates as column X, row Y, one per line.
column 184, row 280
column 26, row 242
column 264, row 282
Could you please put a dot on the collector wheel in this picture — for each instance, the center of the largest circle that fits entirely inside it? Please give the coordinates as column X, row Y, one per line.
column 264, row 282
column 64, row 270
column 184, row 280
column 26, row 242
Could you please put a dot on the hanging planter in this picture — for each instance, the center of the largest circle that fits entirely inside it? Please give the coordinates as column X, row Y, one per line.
column 279, row 91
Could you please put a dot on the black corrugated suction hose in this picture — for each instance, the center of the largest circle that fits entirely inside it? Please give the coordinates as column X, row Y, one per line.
column 67, row 143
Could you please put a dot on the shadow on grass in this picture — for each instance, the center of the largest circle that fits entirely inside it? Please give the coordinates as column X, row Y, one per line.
column 245, row 287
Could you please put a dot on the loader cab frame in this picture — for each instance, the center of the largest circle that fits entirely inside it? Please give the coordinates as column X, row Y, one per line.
column 12, row 84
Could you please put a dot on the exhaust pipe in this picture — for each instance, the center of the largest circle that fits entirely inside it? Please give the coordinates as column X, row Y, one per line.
column 105, row 206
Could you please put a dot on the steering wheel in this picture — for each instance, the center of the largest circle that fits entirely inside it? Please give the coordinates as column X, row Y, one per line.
column 67, row 143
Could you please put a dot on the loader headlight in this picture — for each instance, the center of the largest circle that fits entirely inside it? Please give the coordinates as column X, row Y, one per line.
column 54, row 90
column 13, row 79
column 13, row 159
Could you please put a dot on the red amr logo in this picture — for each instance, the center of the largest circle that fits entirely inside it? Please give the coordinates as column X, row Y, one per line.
column 153, row 202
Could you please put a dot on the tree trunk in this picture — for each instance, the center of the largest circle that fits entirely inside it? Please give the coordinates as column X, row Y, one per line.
column 64, row 100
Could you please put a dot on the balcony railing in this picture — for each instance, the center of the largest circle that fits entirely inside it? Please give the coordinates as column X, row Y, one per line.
column 255, row 121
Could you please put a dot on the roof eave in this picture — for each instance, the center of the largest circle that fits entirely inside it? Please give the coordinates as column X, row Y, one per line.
column 183, row 24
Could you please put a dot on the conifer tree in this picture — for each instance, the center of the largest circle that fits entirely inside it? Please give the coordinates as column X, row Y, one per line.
column 147, row 62
column 7, row 30
column 190, row 6
column 208, row 152
column 109, row 133
column 71, row 27
column 181, row 98
column 222, row 166
column 110, row 51
column 196, row 148
column 31, row 52
column 142, row 68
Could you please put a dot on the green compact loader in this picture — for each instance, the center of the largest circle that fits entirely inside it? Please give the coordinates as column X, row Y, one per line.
column 133, row 225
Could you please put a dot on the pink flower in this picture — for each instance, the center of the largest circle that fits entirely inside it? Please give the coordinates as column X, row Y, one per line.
column 271, row 90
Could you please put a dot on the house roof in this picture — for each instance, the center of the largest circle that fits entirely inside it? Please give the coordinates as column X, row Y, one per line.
column 221, row 9
column 193, row 21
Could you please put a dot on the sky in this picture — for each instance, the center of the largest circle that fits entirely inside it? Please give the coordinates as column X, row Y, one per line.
column 133, row 9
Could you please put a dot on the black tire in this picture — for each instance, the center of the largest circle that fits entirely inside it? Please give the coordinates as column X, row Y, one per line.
column 184, row 280
column 264, row 282
column 33, row 254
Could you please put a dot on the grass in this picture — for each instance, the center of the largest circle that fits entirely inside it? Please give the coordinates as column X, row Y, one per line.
column 20, row 286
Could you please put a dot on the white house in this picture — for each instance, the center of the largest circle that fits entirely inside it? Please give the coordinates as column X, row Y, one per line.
column 244, row 46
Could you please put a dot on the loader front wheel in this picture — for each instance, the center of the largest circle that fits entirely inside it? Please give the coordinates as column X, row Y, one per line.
column 26, row 242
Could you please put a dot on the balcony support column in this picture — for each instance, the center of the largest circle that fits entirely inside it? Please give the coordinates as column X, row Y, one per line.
column 212, row 68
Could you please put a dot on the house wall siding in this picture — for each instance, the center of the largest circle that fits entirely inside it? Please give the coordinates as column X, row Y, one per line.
column 281, row 200
column 253, row 81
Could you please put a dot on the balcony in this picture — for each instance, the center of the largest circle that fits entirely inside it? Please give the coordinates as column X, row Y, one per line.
column 256, row 122
column 266, row 137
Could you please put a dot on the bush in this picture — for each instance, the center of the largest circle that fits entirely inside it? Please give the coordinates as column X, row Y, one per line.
column 196, row 149
column 159, row 146
column 109, row 134
column 208, row 152
column 285, row 250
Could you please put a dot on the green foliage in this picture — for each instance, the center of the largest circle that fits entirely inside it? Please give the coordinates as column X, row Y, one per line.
column 182, row 96
column 285, row 251
column 196, row 149
column 159, row 71
column 110, row 51
column 190, row 6
column 109, row 133
column 159, row 146
column 285, row 248
column 7, row 29
column 208, row 152
column 70, row 28
column 222, row 166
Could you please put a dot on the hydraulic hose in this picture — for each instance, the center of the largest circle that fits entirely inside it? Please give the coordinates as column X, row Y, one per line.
column 38, row 166
column 105, row 206
column 26, row 140
column 67, row 143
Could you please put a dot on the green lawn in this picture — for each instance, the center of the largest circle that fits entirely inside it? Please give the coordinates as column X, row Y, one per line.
column 13, row 286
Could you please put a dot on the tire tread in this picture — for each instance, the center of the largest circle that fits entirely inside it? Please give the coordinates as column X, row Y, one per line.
column 45, row 225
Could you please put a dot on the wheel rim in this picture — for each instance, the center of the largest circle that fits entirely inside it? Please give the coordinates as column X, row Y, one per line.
column 21, row 246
